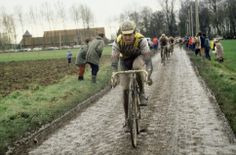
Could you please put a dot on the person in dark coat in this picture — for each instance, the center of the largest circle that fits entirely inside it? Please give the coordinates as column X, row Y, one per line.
column 69, row 57
column 207, row 47
column 81, row 60
column 94, row 54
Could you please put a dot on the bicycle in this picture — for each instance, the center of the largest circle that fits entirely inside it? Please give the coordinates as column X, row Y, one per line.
column 164, row 54
column 134, row 113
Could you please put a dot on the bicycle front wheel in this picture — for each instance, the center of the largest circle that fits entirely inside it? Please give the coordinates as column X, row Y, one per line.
column 132, row 119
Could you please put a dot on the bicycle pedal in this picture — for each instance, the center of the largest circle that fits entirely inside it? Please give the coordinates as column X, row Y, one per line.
column 143, row 105
column 143, row 130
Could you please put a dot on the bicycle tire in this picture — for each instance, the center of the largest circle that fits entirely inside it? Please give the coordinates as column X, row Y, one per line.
column 132, row 120
column 164, row 57
column 138, row 110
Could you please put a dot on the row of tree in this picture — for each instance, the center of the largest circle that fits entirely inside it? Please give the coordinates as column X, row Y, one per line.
column 217, row 17
column 46, row 16
column 155, row 23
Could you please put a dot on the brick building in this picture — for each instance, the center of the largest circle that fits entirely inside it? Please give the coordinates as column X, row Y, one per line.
column 58, row 38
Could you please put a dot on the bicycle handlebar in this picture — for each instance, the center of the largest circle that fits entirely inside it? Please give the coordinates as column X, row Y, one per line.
column 128, row 72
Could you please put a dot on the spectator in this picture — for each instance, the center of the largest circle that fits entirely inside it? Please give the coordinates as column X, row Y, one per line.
column 94, row 54
column 207, row 47
column 219, row 51
column 197, row 44
column 155, row 44
column 81, row 60
column 69, row 57
column 202, row 39
column 190, row 42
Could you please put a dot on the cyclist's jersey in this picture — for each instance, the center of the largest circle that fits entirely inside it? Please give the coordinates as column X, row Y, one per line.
column 124, row 52
column 163, row 41
column 171, row 40
column 130, row 51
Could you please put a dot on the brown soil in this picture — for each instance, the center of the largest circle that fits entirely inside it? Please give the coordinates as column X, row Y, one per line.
column 29, row 74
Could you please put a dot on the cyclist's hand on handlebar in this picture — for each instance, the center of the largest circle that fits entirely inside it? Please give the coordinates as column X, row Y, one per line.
column 114, row 80
column 149, row 81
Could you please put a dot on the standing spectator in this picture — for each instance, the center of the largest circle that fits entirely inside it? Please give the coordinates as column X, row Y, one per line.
column 207, row 47
column 171, row 42
column 197, row 44
column 81, row 60
column 202, row 39
column 69, row 57
column 155, row 44
column 190, row 42
column 163, row 44
column 94, row 54
column 219, row 51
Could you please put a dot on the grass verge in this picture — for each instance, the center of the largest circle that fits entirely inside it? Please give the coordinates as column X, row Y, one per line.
column 25, row 111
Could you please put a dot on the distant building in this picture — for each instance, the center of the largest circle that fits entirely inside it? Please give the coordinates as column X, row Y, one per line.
column 57, row 38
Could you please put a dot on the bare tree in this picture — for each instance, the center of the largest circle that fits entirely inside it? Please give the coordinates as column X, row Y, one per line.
column 32, row 14
column 8, row 30
column 215, row 6
column 75, row 14
column 61, row 15
column 76, row 18
column 20, row 17
column 168, row 9
column 145, row 14
column 48, row 15
column 157, row 25
column 60, row 12
column 86, row 15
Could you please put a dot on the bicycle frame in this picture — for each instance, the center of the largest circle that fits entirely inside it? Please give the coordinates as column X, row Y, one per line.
column 134, row 113
column 164, row 54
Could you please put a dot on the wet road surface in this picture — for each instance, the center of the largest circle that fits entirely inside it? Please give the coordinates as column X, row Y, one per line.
column 180, row 119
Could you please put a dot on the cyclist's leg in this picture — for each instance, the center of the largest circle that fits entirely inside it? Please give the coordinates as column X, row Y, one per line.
column 166, row 52
column 124, row 81
column 162, row 53
column 139, row 64
column 81, row 71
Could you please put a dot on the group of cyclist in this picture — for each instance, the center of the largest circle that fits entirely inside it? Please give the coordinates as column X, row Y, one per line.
column 131, row 50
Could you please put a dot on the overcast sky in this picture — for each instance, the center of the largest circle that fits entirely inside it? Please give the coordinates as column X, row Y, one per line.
column 104, row 11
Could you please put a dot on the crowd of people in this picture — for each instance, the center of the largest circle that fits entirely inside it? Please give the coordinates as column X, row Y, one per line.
column 202, row 46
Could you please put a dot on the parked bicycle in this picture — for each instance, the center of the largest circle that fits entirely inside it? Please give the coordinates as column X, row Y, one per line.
column 134, row 113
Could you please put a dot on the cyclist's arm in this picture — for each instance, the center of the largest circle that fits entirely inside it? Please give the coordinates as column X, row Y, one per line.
column 146, row 54
column 115, row 56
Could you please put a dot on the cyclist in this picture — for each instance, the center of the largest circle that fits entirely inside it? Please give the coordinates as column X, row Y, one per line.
column 171, row 42
column 131, row 49
column 163, row 43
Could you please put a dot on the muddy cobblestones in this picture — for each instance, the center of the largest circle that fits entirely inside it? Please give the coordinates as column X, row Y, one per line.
column 180, row 119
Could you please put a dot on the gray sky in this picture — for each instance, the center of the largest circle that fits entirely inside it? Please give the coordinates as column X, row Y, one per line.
column 105, row 11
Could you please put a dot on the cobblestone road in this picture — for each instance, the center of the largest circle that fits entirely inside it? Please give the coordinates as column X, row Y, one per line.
column 180, row 119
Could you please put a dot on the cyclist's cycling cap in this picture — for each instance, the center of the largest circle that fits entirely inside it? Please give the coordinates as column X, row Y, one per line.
column 163, row 35
column 128, row 27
